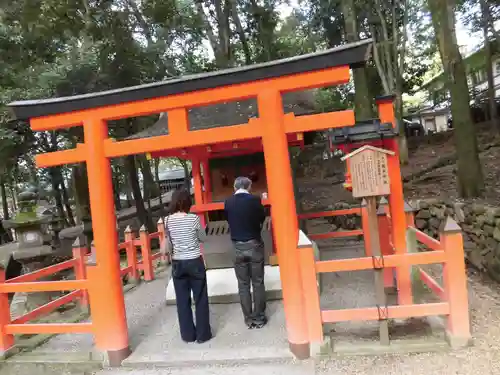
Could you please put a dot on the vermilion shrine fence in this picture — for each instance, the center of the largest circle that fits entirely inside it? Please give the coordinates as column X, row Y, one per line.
column 448, row 251
column 298, row 269
column 78, row 287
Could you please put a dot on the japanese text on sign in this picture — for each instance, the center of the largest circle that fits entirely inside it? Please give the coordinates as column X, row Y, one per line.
column 369, row 173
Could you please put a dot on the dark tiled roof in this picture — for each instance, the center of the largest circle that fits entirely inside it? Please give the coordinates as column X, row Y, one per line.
column 352, row 54
column 230, row 113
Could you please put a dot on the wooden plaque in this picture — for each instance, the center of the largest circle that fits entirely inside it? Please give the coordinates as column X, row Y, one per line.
column 369, row 173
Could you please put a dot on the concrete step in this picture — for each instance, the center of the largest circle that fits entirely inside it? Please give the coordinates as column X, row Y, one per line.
column 288, row 368
column 50, row 368
column 223, row 286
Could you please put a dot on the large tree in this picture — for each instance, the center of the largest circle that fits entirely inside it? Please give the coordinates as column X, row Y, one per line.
column 470, row 176
column 481, row 15
column 363, row 99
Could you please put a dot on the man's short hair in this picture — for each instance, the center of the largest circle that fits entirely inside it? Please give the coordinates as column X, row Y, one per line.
column 242, row 183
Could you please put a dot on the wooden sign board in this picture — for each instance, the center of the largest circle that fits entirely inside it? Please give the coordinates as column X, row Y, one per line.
column 369, row 171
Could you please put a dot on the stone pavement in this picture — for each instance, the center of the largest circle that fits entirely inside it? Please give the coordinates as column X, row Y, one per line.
column 155, row 339
column 482, row 358
column 235, row 350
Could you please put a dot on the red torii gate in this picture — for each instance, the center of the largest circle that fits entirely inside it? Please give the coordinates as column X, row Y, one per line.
column 266, row 82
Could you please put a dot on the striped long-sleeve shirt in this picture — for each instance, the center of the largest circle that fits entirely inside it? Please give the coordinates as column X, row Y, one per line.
column 186, row 234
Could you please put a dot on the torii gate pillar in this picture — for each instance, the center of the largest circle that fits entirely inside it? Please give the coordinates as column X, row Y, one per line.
column 284, row 217
column 396, row 204
column 106, row 295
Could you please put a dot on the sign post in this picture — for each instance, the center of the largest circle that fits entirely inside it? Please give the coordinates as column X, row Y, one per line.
column 370, row 179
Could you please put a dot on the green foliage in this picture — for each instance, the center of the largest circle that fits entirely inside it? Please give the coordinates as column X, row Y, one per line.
column 59, row 48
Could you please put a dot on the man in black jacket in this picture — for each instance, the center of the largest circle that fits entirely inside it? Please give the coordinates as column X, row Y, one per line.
column 245, row 215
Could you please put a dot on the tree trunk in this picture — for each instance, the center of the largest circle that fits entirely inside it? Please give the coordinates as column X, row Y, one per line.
column 130, row 197
column 403, row 143
column 222, row 13
column 265, row 29
column 13, row 195
column 187, row 179
column 208, row 29
column 32, row 170
column 5, row 205
column 148, row 179
column 65, row 197
column 5, row 235
column 362, row 98
column 157, row 178
column 54, row 181
column 489, row 67
column 329, row 11
column 221, row 45
column 136, row 191
column 116, row 191
column 14, row 188
column 388, row 53
column 147, row 194
column 470, row 176
column 241, row 32
column 491, row 22
column 399, row 64
column 81, row 192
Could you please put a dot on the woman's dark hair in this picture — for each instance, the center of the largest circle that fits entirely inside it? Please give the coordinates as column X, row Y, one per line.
column 181, row 201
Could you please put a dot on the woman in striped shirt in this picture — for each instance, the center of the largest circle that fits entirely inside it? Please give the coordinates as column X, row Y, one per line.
column 188, row 269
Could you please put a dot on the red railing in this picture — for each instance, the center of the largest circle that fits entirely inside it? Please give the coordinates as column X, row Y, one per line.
column 413, row 237
column 335, row 234
column 29, row 283
column 145, row 264
column 78, row 289
column 453, row 294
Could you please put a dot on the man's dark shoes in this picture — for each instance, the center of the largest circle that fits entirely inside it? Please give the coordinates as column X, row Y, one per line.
column 259, row 323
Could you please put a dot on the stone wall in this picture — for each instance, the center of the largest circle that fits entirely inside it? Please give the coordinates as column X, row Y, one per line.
column 480, row 225
column 344, row 222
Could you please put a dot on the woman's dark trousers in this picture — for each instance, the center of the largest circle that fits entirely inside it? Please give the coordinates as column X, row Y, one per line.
column 190, row 276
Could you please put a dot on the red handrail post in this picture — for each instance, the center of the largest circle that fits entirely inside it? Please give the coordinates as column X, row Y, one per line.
column 131, row 255
column 385, row 244
column 6, row 340
column 410, row 215
column 147, row 261
column 455, row 283
column 366, row 229
column 161, row 230
column 80, row 252
column 310, row 291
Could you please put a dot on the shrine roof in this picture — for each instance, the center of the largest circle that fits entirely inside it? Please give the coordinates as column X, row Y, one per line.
column 230, row 113
column 352, row 54
column 367, row 148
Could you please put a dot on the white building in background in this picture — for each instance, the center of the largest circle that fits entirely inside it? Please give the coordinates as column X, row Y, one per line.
column 434, row 114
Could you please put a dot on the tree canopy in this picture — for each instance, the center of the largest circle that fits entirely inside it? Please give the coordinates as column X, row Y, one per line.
column 57, row 48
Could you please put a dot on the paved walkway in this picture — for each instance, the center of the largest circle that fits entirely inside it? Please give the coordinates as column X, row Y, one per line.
column 155, row 339
column 235, row 350
column 483, row 358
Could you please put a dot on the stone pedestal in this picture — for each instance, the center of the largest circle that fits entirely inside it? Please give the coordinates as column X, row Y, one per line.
column 223, row 286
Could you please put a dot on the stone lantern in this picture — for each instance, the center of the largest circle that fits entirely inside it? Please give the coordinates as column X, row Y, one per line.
column 31, row 231
column 35, row 247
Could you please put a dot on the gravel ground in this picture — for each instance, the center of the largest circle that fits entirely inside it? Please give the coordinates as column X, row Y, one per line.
column 482, row 358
